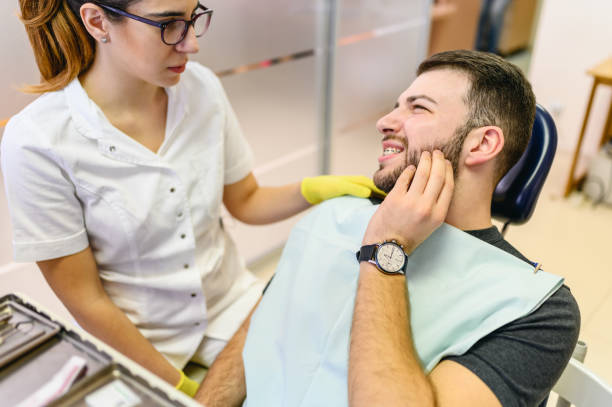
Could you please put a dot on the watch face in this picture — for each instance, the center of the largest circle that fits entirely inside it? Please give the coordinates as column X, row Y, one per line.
column 390, row 257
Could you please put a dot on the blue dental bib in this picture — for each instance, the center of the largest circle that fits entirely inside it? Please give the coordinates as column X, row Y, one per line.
column 460, row 289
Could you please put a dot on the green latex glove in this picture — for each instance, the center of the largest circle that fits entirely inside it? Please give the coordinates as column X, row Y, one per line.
column 323, row 187
column 186, row 385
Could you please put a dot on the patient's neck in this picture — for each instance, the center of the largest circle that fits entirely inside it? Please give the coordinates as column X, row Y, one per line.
column 470, row 208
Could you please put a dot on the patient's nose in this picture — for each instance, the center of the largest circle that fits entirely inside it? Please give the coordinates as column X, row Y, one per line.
column 389, row 123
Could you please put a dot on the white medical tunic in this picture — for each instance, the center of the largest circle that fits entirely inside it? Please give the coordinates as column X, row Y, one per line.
column 152, row 220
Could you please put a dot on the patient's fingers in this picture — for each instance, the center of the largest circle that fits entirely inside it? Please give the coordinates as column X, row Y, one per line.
column 421, row 175
column 447, row 191
column 403, row 182
column 437, row 177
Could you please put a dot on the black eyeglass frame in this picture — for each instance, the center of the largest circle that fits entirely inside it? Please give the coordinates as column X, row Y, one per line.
column 162, row 26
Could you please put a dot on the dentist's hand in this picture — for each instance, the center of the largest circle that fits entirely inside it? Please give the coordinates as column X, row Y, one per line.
column 323, row 187
column 416, row 206
column 187, row 385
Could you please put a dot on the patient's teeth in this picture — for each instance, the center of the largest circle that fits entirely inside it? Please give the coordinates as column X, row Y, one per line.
column 391, row 150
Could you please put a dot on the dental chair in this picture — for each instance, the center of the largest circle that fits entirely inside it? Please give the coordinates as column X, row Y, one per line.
column 517, row 192
column 514, row 201
column 581, row 387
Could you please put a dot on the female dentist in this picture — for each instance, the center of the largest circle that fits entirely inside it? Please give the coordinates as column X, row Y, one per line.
column 115, row 178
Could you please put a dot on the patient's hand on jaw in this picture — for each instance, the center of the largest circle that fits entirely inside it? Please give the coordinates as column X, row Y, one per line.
column 416, row 206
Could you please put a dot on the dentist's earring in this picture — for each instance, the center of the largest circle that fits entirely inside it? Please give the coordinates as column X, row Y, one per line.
column 104, row 39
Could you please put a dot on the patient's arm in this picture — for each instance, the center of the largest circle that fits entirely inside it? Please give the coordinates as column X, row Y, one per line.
column 384, row 368
column 383, row 365
column 224, row 384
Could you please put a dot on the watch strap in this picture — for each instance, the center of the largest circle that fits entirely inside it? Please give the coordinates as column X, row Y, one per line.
column 366, row 253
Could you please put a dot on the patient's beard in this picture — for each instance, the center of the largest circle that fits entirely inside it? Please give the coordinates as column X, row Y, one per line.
column 386, row 181
column 451, row 150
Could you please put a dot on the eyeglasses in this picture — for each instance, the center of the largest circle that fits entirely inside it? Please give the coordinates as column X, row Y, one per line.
column 173, row 31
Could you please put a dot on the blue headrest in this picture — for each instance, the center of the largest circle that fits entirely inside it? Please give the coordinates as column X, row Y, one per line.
column 517, row 192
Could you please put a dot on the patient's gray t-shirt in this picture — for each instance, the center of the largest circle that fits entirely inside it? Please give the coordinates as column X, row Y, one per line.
column 542, row 341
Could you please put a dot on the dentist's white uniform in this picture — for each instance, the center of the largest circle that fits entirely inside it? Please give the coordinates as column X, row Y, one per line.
column 151, row 219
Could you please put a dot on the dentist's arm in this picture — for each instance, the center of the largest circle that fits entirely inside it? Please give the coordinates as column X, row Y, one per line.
column 257, row 205
column 254, row 204
column 76, row 282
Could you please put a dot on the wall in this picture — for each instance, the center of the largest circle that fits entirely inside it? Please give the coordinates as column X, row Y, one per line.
column 289, row 82
column 571, row 37
column 336, row 65
column 17, row 67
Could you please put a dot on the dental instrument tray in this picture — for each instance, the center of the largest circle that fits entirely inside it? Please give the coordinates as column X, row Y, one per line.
column 21, row 329
column 44, row 361
column 114, row 386
column 38, row 351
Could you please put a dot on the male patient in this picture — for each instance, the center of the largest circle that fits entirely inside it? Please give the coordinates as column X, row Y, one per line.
column 436, row 308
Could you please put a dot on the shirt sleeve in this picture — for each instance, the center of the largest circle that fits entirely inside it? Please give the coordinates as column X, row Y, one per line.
column 46, row 216
column 522, row 361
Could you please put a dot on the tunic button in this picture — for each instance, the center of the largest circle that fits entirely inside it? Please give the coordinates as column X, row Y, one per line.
column 183, row 236
column 193, row 294
column 179, row 215
column 185, row 266
column 172, row 190
column 197, row 324
column 112, row 149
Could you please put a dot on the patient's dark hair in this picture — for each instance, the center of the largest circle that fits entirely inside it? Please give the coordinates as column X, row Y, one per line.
column 499, row 95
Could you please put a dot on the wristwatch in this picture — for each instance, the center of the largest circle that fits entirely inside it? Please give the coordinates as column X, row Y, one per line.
column 389, row 257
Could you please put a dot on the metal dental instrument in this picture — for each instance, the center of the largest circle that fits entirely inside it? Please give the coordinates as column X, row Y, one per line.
column 5, row 315
column 6, row 333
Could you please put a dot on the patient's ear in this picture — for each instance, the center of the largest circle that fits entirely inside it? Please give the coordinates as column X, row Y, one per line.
column 483, row 144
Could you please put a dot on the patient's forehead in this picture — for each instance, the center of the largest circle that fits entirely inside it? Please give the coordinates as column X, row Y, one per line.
column 447, row 87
